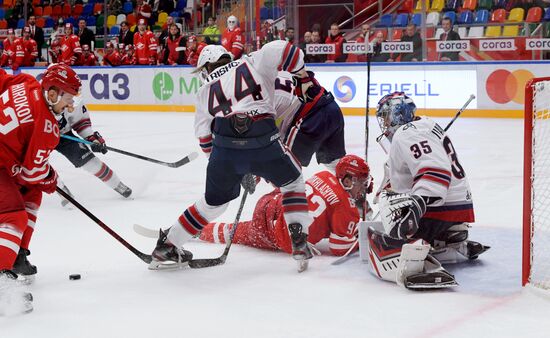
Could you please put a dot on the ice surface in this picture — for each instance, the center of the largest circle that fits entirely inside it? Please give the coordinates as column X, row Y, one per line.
column 259, row 293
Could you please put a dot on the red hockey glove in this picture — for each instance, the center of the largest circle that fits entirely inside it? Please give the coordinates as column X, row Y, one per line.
column 49, row 183
column 99, row 145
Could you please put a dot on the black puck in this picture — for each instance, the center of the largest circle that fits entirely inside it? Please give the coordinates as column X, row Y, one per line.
column 74, row 277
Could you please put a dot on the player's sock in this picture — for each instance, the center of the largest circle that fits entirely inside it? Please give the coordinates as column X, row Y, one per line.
column 12, row 225
column 32, row 211
column 100, row 170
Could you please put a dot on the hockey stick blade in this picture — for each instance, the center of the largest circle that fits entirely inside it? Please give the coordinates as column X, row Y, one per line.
column 144, row 257
column 146, row 232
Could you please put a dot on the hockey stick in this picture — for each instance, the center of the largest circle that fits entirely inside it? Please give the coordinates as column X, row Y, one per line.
column 367, row 44
column 472, row 97
column 208, row 262
column 146, row 232
column 348, row 253
column 144, row 257
column 176, row 164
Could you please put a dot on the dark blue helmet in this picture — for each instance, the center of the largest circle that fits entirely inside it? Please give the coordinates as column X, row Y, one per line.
column 393, row 111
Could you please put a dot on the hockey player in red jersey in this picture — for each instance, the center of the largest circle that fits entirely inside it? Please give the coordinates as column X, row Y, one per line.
column 143, row 10
column 145, row 44
column 194, row 49
column 331, row 201
column 112, row 57
column 28, row 134
column 128, row 58
column 30, row 48
column 233, row 38
column 426, row 206
column 88, row 57
column 14, row 52
column 55, row 51
column 174, row 53
column 70, row 47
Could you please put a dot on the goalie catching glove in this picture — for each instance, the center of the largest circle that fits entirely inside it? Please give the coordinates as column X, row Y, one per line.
column 98, row 145
column 306, row 87
column 401, row 214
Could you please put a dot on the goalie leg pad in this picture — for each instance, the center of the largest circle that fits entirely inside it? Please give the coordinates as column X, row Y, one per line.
column 411, row 261
column 383, row 254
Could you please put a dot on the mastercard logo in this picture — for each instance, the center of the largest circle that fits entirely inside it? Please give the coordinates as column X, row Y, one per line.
column 504, row 86
column 344, row 89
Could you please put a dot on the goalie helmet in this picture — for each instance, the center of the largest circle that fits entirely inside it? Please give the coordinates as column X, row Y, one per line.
column 393, row 111
column 63, row 77
column 232, row 22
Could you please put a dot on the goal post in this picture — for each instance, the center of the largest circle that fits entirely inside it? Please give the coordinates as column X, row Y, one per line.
column 536, row 184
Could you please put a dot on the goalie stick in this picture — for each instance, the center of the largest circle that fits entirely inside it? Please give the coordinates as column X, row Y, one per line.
column 176, row 164
column 144, row 257
column 472, row 97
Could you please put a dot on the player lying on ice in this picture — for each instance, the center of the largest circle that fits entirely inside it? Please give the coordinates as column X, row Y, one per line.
column 333, row 202
column 28, row 134
column 236, row 129
column 77, row 118
column 426, row 205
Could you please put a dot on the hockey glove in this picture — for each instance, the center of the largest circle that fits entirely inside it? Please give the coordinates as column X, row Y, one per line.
column 401, row 214
column 249, row 182
column 49, row 183
column 306, row 87
column 98, row 145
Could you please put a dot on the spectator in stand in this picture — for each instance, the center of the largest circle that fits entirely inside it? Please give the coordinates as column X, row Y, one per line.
column 29, row 48
column 448, row 35
column 143, row 11
column 166, row 6
column 129, row 58
column 18, row 11
column 13, row 51
column 315, row 58
column 70, row 47
column 365, row 30
column 411, row 34
column 58, row 31
column 145, row 44
column 111, row 57
column 233, row 38
column 125, row 36
column 212, row 32
column 194, row 49
column 37, row 34
column 55, row 51
column 307, row 40
column 86, row 36
column 88, row 57
column 336, row 38
column 165, row 33
column 289, row 35
column 174, row 51
column 377, row 55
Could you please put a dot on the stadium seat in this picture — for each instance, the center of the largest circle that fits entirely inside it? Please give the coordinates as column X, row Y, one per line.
column 452, row 5
column 469, row 5
column 21, row 23
column 77, row 11
column 115, row 30
column 510, row 31
column 463, row 32
column 50, row 22
column 384, row 33
column 40, row 22
column 47, row 11
column 437, row 5
column 91, row 21
column 498, row 15
column 485, row 4
column 88, row 9
column 57, row 11
column 482, row 16
column 264, row 13
column 98, row 8
column 180, row 5
column 406, row 7
column 277, row 12
column 2, row 13
column 120, row 18
column 131, row 18
column 501, row 4
column 66, row 11
column 3, row 24
column 546, row 15
column 175, row 14
column 128, row 7
column 418, row 7
column 111, row 21
column 438, row 33
column 516, row 15
column 401, row 20
column 493, row 31
column 38, row 11
column 475, row 32
column 450, row 15
column 397, row 34
column 385, row 21
column 466, row 18
column 417, row 19
column 71, row 20
column 34, row 3
column 100, row 21
column 534, row 15
column 432, row 19
column 163, row 16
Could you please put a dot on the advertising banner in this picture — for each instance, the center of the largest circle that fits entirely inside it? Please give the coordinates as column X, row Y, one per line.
column 497, row 45
column 318, row 48
column 356, row 48
column 397, row 47
column 537, row 44
column 452, row 45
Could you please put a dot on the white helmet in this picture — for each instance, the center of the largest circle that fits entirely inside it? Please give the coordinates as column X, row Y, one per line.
column 232, row 22
column 210, row 53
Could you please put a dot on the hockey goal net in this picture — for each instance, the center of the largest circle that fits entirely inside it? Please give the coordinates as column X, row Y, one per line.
column 536, row 185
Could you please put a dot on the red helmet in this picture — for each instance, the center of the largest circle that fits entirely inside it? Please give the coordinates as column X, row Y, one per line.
column 352, row 165
column 62, row 77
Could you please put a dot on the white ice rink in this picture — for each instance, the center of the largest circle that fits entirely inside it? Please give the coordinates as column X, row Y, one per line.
column 259, row 293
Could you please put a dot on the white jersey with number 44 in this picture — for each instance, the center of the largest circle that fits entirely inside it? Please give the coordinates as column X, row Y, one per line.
column 423, row 161
column 246, row 85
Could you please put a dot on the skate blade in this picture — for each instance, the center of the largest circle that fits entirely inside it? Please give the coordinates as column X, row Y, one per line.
column 419, row 287
column 303, row 265
column 157, row 265
column 25, row 280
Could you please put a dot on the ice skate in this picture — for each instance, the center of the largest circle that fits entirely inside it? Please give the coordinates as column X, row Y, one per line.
column 433, row 276
column 122, row 189
column 13, row 299
column 23, row 267
column 301, row 251
column 167, row 256
column 472, row 250
column 65, row 202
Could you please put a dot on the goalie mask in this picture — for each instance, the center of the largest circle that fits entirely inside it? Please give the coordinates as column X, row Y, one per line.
column 232, row 22
column 393, row 111
column 354, row 167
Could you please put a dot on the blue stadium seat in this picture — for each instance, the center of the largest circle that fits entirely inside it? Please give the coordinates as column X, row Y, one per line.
column 385, row 21
column 88, row 9
column 482, row 16
column 127, row 8
column 21, row 23
column 546, row 15
column 450, row 15
column 91, row 21
column 2, row 13
column 401, row 20
column 277, row 12
column 115, row 30
column 417, row 19
column 264, row 13
column 71, row 20
column 466, row 17
column 50, row 22
column 181, row 5
column 175, row 14
column 453, row 5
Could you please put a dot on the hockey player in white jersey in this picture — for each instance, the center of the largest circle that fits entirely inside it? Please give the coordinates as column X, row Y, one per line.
column 77, row 118
column 236, row 129
column 427, row 208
